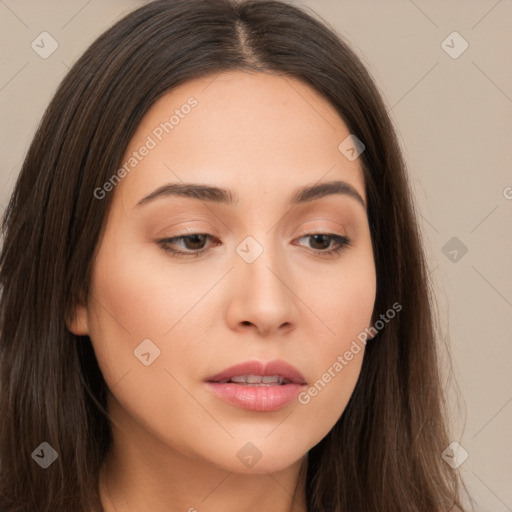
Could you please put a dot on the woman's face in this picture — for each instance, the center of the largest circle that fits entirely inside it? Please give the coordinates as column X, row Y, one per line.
column 256, row 286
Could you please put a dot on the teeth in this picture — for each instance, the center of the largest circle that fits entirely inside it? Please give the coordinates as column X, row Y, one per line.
column 239, row 380
column 257, row 379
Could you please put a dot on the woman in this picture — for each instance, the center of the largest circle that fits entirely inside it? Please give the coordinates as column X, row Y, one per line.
column 214, row 291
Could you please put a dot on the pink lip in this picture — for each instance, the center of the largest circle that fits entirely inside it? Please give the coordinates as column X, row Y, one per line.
column 258, row 398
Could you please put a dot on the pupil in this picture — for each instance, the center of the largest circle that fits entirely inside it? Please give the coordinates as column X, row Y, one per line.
column 315, row 237
column 195, row 239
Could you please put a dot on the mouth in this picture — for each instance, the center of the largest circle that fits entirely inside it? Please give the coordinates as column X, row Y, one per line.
column 256, row 373
column 257, row 380
column 257, row 386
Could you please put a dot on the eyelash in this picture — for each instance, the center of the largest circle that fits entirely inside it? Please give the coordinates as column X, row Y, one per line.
column 343, row 243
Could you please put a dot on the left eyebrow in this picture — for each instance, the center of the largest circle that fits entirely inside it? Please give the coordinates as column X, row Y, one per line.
column 312, row 192
column 229, row 198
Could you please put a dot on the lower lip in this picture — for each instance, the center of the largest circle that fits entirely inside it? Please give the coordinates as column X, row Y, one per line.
column 256, row 398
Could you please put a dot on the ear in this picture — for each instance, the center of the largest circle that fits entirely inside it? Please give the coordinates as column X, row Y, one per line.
column 78, row 321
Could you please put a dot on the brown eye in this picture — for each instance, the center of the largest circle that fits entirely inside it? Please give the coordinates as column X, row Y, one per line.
column 196, row 241
column 192, row 243
column 321, row 243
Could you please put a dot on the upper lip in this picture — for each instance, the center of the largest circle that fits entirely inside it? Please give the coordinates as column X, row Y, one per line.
column 275, row 367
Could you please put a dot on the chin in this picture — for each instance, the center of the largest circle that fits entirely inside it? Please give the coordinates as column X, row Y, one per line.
column 259, row 456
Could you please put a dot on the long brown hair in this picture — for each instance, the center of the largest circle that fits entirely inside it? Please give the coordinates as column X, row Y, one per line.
column 384, row 453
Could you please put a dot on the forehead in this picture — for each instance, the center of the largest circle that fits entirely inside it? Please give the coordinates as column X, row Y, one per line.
column 254, row 133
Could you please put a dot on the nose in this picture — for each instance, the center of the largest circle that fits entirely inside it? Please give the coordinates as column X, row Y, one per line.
column 262, row 297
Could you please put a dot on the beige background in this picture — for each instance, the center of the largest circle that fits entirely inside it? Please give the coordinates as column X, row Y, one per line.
column 454, row 120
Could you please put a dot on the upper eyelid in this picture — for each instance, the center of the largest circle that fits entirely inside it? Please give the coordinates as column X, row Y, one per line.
column 187, row 231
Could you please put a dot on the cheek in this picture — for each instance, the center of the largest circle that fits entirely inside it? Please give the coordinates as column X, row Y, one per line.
column 343, row 303
column 143, row 297
column 342, row 298
column 143, row 294
column 126, row 308
column 132, row 303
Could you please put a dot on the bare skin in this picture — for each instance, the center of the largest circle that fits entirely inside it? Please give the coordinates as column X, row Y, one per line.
column 175, row 442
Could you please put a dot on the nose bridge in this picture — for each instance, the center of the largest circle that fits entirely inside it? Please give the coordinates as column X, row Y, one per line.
column 263, row 289
column 261, row 260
